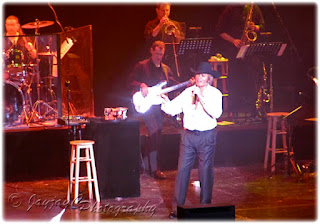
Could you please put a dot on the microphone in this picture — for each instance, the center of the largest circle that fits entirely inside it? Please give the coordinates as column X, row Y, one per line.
column 195, row 98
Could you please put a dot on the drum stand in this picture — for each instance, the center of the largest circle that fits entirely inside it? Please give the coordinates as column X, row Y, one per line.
column 36, row 108
column 26, row 102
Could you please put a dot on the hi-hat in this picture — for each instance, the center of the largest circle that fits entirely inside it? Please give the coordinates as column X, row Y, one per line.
column 37, row 24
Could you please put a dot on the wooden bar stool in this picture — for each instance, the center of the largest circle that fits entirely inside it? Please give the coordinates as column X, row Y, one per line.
column 272, row 132
column 75, row 159
column 219, row 63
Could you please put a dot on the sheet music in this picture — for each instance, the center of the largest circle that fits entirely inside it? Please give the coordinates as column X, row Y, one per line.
column 65, row 47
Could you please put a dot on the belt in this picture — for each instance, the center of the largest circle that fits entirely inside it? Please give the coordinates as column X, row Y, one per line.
column 196, row 132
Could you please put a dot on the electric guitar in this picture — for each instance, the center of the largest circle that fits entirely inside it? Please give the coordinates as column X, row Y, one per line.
column 143, row 104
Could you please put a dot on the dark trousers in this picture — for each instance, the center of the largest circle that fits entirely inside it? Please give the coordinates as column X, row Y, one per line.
column 153, row 120
column 201, row 145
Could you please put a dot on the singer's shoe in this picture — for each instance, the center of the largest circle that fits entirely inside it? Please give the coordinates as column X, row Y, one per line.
column 172, row 215
column 159, row 175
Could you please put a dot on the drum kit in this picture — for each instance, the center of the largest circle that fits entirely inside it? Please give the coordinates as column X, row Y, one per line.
column 28, row 97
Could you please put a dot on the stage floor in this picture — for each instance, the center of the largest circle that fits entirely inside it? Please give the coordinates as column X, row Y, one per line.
column 256, row 198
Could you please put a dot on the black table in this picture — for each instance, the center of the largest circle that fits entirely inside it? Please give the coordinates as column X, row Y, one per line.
column 117, row 156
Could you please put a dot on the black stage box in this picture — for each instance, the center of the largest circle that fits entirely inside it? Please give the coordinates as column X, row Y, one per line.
column 206, row 212
column 117, row 155
column 36, row 153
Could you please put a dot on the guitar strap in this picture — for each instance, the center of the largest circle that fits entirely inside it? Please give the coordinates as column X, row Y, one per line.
column 165, row 70
column 163, row 66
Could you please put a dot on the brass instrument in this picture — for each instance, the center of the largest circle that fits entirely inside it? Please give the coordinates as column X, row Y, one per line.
column 169, row 28
column 248, row 35
column 263, row 97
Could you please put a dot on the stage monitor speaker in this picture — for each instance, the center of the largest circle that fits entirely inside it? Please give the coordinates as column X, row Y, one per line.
column 206, row 212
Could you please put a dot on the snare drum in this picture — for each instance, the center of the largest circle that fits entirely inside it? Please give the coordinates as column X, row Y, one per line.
column 13, row 102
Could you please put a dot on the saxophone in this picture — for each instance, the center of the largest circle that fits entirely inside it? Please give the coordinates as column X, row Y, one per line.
column 263, row 96
column 248, row 35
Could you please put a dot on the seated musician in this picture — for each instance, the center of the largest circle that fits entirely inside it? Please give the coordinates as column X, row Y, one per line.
column 15, row 46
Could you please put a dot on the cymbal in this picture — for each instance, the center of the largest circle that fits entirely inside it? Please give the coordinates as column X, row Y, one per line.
column 37, row 24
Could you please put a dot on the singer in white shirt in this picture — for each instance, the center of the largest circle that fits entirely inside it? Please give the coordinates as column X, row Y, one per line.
column 201, row 105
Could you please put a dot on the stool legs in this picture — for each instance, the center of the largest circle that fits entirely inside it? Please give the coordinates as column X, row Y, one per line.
column 94, row 172
column 89, row 173
column 273, row 144
column 71, row 172
column 76, row 177
column 266, row 155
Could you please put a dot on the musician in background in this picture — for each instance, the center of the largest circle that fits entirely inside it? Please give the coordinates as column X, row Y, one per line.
column 15, row 41
column 167, row 30
column 201, row 105
column 145, row 74
column 156, row 28
column 243, row 73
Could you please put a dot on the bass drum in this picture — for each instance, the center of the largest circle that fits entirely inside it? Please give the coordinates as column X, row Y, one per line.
column 13, row 103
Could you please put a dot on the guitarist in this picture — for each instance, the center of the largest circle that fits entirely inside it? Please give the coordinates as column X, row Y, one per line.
column 147, row 73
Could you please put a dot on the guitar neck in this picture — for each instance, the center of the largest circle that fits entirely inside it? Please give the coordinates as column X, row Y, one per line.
column 172, row 88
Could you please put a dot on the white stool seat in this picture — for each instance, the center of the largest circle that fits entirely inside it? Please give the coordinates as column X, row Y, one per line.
column 75, row 179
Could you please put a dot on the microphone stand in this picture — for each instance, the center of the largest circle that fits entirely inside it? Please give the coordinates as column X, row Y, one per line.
column 290, row 152
column 287, row 32
column 67, row 84
column 175, row 54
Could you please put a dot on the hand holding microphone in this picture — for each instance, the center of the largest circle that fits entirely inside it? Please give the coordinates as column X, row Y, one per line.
column 195, row 94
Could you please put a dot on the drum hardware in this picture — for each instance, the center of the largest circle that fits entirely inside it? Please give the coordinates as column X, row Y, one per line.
column 37, row 24
column 43, row 108
column 36, row 111
column 15, row 107
column 15, row 58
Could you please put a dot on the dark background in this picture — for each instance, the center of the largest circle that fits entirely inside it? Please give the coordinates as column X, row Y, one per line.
column 118, row 43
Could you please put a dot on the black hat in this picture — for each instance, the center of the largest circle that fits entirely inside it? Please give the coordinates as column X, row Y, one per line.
column 205, row 67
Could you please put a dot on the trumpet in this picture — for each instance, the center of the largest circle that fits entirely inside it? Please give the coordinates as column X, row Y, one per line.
column 248, row 35
column 169, row 27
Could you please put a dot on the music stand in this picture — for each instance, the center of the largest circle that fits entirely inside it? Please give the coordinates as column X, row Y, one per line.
column 263, row 49
column 196, row 49
column 201, row 45
column 271, row 48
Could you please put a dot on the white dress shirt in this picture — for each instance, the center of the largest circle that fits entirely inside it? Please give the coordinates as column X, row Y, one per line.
column 199, row 116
